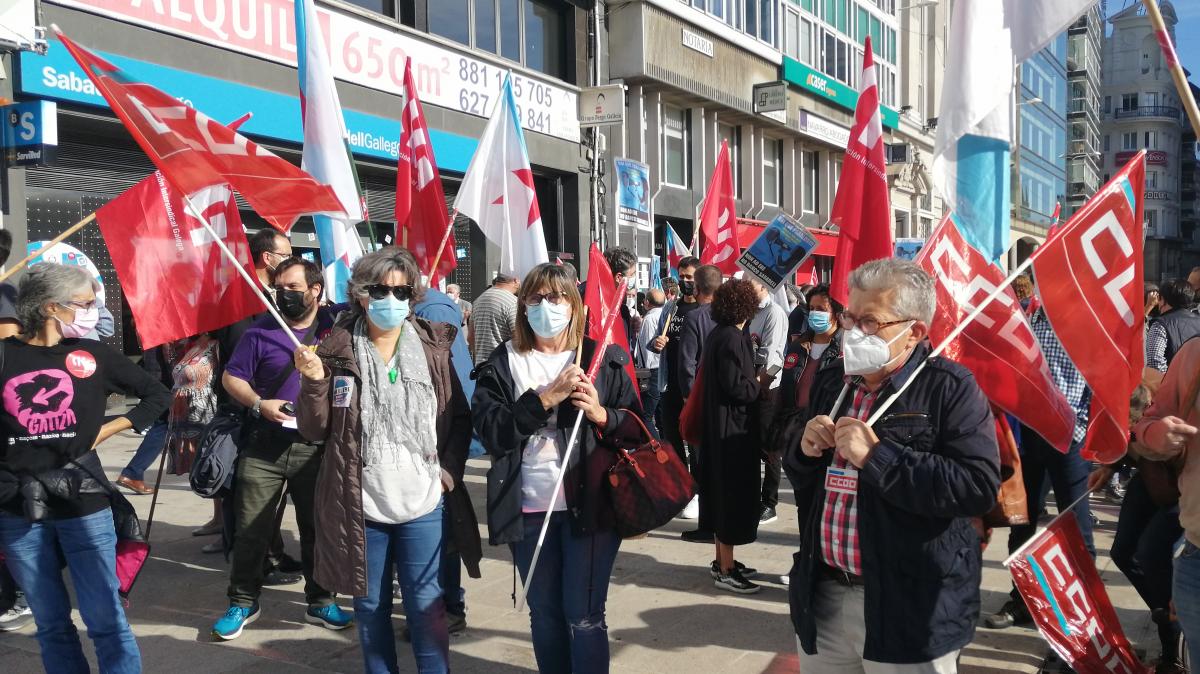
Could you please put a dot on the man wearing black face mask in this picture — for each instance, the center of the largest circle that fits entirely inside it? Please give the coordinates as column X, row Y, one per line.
column 671, row 321
column 261, row 375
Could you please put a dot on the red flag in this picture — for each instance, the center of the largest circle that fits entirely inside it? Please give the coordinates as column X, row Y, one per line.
column 420, row 201
column 1089, row 274
column 998, row 346
column 603, row 299
column 177, row 281
column 861, row 208
column 194, row 152
column 1058, row 579
column 718, row 218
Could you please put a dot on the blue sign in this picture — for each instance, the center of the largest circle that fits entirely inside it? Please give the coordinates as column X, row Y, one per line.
column 30, row 132
column 57, row 76
column 778, row 252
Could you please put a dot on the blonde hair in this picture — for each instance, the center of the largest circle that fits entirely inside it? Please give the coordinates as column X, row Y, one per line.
column 553, row 278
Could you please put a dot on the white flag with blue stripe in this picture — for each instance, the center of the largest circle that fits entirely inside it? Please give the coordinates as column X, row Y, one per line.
column 327, row 153
column 971, row 157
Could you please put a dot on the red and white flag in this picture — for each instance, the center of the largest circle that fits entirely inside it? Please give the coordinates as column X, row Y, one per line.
column 420, row 201
column 718, row 218
column 1090, row 276
column 1058, row 580
column 603, row 299
column 177, row 281
column 498, row 192
column 998, row 346
column 862, row 208
column 195, row 152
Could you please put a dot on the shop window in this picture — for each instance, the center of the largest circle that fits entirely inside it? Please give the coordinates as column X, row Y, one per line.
column 530, row 32
column 772, row 171
column 675, row 146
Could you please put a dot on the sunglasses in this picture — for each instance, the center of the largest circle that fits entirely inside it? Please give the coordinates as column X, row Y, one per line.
column 380, row 291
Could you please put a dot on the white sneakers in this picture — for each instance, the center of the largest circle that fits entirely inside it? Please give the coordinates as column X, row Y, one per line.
column 692, row 510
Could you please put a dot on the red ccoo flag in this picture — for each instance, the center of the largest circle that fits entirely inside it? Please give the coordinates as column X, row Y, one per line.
column 195, row 153
column 718, row 218
column 420, row 201
column 1089, row 274
column 156, row 244
column 861, row 208
column 601, row 297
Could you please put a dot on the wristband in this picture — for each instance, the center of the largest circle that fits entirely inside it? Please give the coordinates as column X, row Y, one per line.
column 256, row 408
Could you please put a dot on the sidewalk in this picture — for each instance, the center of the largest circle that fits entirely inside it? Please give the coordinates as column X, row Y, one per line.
column 664, row 614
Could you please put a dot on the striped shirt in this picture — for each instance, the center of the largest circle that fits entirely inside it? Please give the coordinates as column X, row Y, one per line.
column 839, row 518
column 493, row 319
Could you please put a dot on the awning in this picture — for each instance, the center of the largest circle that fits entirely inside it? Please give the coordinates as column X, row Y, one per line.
column 749, row 230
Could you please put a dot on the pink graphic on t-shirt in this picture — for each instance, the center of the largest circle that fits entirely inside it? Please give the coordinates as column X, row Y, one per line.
column 41, row 401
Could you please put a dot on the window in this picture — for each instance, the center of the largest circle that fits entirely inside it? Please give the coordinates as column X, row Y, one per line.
column 806, row 42
column 1151, row 223
column 449, row 19
column 1129, row 140
column 530, row 32
column 1129, row 101
column 772, row 170
column 791, row 33
column 675, row 146
column 485, row 26
column 510, row 29
column 1151, row 180
column 544, row 33
column 733, row 135
column 1107, row 138
column 1107, row 104
column 384, row 7
column 1151, row 140
column 810, row 178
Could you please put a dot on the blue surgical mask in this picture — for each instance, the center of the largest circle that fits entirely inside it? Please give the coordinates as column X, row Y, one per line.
column 548, row 320
column 388, row 313
column 820, row 321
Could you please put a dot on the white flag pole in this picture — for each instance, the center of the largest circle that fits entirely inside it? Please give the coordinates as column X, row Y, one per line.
column 241, row 270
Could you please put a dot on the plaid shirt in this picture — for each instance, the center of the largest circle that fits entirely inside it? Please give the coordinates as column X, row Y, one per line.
column 1066, row 377
column 839, row 518
column 1156, row 346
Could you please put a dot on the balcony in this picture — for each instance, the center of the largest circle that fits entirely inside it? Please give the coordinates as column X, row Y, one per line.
column 1148, row 111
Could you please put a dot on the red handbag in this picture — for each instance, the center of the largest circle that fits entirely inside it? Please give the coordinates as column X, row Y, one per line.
column 691, row 419
column 648, row 486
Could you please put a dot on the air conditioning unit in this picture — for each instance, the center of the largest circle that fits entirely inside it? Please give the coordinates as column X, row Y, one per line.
column 899, row 153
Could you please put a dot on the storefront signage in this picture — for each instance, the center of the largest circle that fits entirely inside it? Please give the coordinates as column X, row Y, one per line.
column 57, row 76
column 823, row 129
column 770, row 96
column 1157, row 195
column 601, row 106
column 30, row 132
column 821, row 84
column 1153, row 157
column 698, row 43
column 360, row 51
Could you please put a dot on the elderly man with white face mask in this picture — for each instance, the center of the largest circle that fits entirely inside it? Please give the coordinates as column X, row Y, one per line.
column 887, row 577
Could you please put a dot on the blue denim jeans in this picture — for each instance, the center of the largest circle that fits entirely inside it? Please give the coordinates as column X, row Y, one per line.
column 90, row 547
column 1186, row 594
column 450, row 575
column 150, row 449
column 414, row 550
column 568, row 593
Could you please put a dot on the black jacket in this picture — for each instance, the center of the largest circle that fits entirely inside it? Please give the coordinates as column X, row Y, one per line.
column 504, row 422
column 1181, row 325
column 935, row 468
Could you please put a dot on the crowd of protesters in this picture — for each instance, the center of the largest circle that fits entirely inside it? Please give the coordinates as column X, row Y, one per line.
column 367, row 427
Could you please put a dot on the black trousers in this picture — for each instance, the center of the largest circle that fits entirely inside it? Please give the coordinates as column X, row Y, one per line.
column 672, row 407
column 772, row 457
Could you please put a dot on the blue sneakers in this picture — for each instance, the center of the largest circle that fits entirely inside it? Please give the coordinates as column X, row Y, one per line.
column 330, row 617
column 230, row 625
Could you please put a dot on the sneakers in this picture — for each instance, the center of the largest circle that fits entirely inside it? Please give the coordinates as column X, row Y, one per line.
column 1012, row 613
column 746, row 571
column 18, row 617
column 277, row 576
column 229, row 627
column 1115, row 490
column 697, row 536
column 691, row 511
column 211, row 528
column 768, row 515
column 330, row 617
column 213, row 548
column 735, row 582
column 457, row 624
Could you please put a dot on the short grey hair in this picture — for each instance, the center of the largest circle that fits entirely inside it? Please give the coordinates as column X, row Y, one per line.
column 915, row 298
column 372, row 268
column 48, row 283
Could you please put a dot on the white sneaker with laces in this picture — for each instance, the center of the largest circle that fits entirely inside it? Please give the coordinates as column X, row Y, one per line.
column 692, row 510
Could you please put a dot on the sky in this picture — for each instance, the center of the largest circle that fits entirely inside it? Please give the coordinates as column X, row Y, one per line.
column 1188, row 12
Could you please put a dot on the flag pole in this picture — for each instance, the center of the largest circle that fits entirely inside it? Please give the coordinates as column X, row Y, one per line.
column 238, row 265
column 1177, row 74
column 53, row 242
column 1034, row 537
column 445, row 239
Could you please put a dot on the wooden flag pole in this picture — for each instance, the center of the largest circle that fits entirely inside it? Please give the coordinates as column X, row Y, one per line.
column 445, row 239
column 1177, row 74
column 53, row 242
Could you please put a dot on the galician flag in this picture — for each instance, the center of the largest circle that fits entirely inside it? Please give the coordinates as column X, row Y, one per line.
column 497, row 191
column 327, row 153
column 861, row 208
column 676, row 251
column 971, row 156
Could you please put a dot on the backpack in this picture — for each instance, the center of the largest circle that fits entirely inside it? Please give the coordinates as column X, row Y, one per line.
column 212, row 469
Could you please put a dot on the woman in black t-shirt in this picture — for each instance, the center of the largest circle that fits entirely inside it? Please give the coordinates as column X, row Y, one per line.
column 53, row 492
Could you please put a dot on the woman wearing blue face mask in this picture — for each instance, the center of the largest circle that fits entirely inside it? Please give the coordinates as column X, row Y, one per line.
column 527, row 397
column 382, row 395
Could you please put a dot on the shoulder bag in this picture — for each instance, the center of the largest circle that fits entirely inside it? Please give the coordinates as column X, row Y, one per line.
column 648, row 485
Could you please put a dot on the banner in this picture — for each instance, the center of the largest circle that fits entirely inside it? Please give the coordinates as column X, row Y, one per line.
column 998, row 346
column 633, row 195
column 718, row 218
column 603, row 300
column 778, row 252
column 1058, row 580
column 175, row 278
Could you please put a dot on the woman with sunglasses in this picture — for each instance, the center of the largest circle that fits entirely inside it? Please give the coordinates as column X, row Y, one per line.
column 55, row 385
column 382, row 394
column 527, row 397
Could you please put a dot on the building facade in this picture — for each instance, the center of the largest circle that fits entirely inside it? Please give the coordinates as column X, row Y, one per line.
column 1085, row 41
column 227, row 58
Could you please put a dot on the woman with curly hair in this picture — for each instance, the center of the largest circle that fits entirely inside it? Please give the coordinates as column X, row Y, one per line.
column 728, row 470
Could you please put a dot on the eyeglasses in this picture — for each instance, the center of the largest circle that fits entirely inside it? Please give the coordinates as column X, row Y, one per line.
column 85, row 306
column 868, row 325
column 535, row 299
column 380, row 291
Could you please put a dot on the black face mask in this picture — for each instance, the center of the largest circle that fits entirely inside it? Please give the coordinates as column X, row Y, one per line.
column 291, row 303
column 687, row 288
